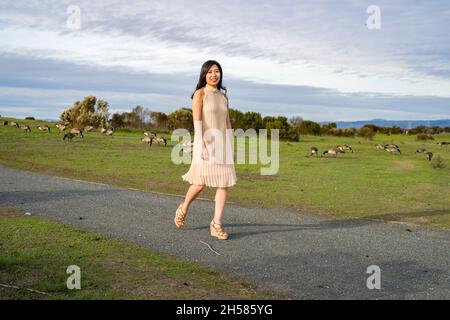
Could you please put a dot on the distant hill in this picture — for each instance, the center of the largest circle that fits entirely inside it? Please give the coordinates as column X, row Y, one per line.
column 405, row 124
column 50, row 120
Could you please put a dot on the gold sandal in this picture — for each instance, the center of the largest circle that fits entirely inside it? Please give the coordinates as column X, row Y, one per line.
column 217, row 231
column 180, row 216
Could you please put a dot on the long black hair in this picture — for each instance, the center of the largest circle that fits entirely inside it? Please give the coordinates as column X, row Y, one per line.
column 202, row 79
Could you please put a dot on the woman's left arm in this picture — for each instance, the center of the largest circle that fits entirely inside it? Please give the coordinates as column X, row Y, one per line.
column 230, row 128
column 228, row 116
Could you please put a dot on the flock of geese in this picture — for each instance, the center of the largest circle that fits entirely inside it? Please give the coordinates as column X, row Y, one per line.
column 73, row 132
column 391, row 148
column 149, row 137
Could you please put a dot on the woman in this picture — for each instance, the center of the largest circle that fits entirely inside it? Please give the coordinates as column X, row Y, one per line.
column 213, row 143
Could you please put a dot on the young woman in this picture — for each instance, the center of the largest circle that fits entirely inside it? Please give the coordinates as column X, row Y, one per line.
column 213, row 156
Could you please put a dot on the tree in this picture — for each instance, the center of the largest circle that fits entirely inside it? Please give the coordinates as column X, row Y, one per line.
column 236, row 118
column 252, row 120
column 103, row 113
column 117, row 120
column 280, row 123
column 309, row 127
column 160, row 120
column 329, row 129
column 84, row 113
column 295, row 121
column 181, row 118
column 367, row 132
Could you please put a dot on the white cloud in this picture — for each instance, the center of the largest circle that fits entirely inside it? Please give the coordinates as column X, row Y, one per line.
column 318, row 44
column 147, row 54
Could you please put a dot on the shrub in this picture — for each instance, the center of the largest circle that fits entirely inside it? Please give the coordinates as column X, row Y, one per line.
column 292, row 135
column 438, row 163
column 366, row 132
column 423, row 136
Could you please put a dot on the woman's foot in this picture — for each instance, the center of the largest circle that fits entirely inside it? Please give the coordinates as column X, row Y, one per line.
column 180, row 216
column 217, row 231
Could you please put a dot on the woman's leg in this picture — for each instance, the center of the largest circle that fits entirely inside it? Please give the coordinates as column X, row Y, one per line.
column 221, row 197
column 192, row 193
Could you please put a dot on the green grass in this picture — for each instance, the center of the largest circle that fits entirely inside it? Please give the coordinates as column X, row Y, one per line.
column 368, row 183
column 35, row 254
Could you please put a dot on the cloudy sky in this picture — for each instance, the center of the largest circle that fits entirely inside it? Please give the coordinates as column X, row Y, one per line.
column 315, row 59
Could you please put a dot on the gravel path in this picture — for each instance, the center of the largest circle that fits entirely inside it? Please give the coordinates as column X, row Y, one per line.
column 302, row 255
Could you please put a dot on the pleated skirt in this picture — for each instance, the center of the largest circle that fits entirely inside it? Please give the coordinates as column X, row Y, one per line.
column 211, row 175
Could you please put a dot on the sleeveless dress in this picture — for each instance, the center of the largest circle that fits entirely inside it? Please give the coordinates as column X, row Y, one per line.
column 218, row 170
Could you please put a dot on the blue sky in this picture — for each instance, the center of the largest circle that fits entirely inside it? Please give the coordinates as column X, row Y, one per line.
column 315, row 59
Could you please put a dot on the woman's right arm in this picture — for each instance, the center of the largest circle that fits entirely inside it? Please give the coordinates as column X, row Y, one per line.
column 197, row 107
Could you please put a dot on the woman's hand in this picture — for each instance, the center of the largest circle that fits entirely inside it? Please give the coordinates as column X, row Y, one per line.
column 204, row 155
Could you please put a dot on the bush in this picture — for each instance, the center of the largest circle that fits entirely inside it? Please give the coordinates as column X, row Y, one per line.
column 309, row 127
column 349, row 132
column 30, row 118
column 422, row 137
column 292, row 135
column 181, row 118
column 438, row 163
column 366, row 132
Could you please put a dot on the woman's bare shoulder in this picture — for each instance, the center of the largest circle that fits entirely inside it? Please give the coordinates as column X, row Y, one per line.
column 224, row 95
column 199, row 93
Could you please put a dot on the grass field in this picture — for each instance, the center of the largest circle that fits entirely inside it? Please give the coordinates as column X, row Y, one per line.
column 368, row 183
column 35, row 254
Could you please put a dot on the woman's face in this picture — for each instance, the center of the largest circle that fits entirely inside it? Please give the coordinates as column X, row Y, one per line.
column 213, row 76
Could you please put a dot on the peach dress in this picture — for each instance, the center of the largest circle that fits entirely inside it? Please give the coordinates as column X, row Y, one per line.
column 218, row 170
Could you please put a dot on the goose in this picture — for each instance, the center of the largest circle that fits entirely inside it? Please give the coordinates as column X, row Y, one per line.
column 344, row 147
column 380, row 146
column 314, row 151
column 443, row 143
column 5, row 123
column 333, row 152
column 25, row 128
column 109, row 132
column 44, row 128
column 14, row 124
column 76, row 131
column 429, row 155
column 69, row 136
column 392, row 149
column 421, row 150
column 103, row 131
column 149, row 134
column 391, row 146
column 146, row 139
column 158, row 139
column 187, row 146
column 61, row 127
column 88, row 128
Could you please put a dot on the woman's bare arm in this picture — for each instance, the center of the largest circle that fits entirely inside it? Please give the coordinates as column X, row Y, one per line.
column 197, row 107
column 228, row 116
